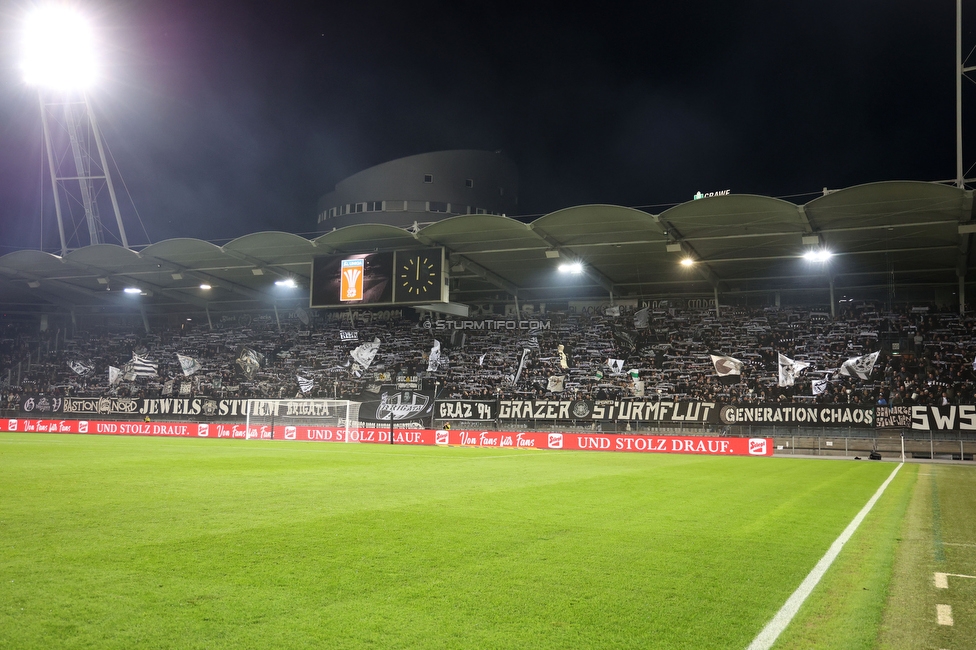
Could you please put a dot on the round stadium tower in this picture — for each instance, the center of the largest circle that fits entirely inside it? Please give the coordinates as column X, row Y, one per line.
column 423, row 189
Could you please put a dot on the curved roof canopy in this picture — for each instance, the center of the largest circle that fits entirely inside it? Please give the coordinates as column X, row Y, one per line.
column 903, row 233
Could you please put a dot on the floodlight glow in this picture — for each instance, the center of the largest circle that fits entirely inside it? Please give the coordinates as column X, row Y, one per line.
column 132, row 290
column 58, row 48
column 687, row 261
column 289, row 283
column 820, row 255
column 575, row 268
column 205, row 287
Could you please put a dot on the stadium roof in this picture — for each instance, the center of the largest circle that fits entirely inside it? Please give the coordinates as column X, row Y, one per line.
column 881, row 234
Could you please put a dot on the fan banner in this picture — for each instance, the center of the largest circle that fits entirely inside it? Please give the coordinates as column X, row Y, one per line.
column 136, row 406
column 500, row 439
column 944, row 418
column 408, row 406
column 460, row 409
column 624, row 410
column 825, row 415
column 404, row 406
column 893, row 417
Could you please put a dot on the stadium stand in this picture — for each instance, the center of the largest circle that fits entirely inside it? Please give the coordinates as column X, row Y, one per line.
column 926, row 356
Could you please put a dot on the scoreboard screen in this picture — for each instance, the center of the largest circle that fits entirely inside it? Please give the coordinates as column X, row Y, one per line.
column 402, row 277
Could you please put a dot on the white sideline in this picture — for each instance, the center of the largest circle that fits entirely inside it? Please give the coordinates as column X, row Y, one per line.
column 767, row 637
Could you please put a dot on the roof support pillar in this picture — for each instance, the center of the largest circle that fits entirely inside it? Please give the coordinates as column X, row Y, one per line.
column 209, row 322
column 962, row 295
column 833, row 308
column 717, row 314
column 145, row 318
column 277, row 320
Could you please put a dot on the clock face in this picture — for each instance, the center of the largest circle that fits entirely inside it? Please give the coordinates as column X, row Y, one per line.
column 418, row 276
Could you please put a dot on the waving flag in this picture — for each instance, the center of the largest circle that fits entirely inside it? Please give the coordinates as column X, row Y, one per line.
column 434, row 360
column 305, row 384
column 820, row 385
column 249, row 361
column 556, row 383
column 563, row 357
column 140, row 366
column 860, row 367
column 365, row 353
column 82, row 367
column 188, row 364
column 725, row 366
column 642, row 318
column 789, row 370
column 521, row 367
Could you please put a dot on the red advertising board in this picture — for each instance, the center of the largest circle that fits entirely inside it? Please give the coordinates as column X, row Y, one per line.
column 461, row 438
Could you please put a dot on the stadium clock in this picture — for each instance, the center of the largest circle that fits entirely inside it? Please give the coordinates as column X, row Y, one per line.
column 418, row 275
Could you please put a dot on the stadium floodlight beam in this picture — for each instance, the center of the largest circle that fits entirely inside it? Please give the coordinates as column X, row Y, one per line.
column 575, row 268
column 687, row 261
column 132, row 290
column 288, row 283
column 60, row 59
column 820, row 255
column 59, row 49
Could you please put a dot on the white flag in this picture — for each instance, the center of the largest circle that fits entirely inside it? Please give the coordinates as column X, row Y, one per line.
column 642, row 318
column 563, row 357
column 365, row 353
column 612, row 311
column 616, row 365
column 860, row 367
column 556, row 383
column 305, row 384
column 725, row 366
column 789, row 370
column 81, row 367
column 114, row 375
column 481, row 359
column 167, row 388
column 188, row 364
column 434, row 360
column 820, row 385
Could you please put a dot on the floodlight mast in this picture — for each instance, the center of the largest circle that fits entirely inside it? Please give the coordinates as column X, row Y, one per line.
column 60, row 62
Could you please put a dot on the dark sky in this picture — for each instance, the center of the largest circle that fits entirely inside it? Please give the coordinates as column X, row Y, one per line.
column 232, row 117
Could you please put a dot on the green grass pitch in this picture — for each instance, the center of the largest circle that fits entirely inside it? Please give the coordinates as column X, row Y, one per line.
column 119, row 542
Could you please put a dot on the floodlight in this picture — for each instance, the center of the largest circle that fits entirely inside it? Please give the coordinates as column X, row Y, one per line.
column 820, row 255
column 132, row 290
column 205, row 286
column 575, row 268
column 59, row 48
column 289, row 283
column 687, row 261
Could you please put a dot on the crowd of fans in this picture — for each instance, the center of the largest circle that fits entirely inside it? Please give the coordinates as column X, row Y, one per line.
column 663, row 353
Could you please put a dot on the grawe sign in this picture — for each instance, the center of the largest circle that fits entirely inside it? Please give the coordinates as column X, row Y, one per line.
column 712, row 446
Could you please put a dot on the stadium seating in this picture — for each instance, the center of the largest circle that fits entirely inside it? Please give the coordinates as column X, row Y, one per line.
column 926, row 358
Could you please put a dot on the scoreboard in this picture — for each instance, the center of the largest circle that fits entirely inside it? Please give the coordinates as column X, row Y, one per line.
column 402, row 277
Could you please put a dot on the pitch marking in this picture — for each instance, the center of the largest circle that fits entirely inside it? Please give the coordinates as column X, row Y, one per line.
column 944, row 614
column 767, row 637
column 942, row 579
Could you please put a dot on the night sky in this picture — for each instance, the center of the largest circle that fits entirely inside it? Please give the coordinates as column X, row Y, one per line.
column 232, row 117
